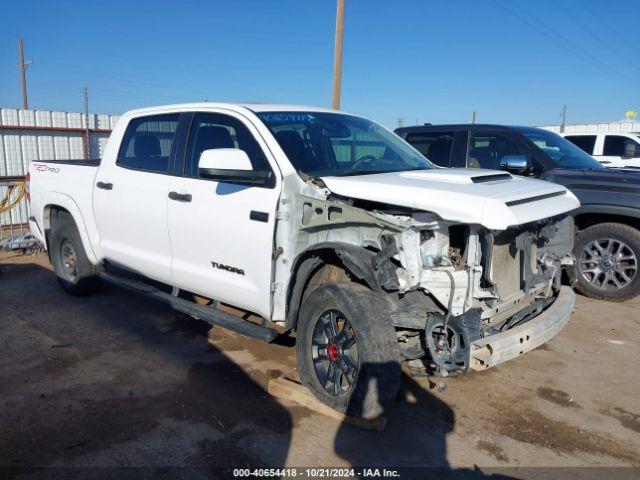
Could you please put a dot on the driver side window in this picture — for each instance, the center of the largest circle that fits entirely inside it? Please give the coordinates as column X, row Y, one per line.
column 487, row 149
column 213, row 130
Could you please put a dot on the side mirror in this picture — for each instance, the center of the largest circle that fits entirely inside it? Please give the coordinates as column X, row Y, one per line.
column 230, row 165
column 516, row 163
column 629, row 151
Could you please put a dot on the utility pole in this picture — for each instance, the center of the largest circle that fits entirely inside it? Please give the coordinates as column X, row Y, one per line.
column 400, row 122
column 564, row 118
column 473, row 117
column 86, row 143
column 337, row 56
column 23, row 74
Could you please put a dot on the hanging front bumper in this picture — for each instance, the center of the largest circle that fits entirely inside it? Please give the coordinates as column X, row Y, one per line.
column 495, row 349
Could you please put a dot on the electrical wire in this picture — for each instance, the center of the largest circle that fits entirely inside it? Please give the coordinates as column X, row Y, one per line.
column 594, row 35
column 630, row 43
column 7, row 203
column 559, row 40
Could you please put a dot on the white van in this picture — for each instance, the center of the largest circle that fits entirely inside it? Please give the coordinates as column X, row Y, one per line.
column 619, row 149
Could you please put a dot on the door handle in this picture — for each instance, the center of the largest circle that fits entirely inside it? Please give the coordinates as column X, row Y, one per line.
column 105, row 186
column 180, row 197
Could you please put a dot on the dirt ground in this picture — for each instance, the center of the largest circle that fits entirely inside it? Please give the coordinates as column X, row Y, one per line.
column 119, row 380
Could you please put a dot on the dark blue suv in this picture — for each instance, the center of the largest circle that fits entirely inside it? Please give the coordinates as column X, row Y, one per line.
column 607, row 243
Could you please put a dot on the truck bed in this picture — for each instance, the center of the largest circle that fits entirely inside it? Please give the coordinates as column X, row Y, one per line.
column 64, row 183
column 84, row 163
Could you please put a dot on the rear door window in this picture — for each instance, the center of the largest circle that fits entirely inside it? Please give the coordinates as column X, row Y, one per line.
column 147, row 143
column 585, row 142
column 436, row 146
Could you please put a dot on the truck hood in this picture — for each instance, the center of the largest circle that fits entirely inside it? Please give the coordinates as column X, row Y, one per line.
column 495, row 199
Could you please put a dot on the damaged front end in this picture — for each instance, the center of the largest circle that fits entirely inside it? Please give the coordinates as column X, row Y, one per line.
column 486, row 283
column 460, row 296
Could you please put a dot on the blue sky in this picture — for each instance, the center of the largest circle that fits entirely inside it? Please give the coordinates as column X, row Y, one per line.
column 512, row 61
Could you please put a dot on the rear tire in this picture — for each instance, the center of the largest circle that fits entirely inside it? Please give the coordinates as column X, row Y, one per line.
column 363, row 354
column 607, row 257
column 76, row 274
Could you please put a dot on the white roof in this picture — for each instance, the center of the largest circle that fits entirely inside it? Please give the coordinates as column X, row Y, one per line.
column 283, row 107
column 255, row 107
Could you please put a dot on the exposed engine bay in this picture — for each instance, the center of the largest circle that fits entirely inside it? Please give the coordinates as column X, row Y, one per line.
column 497, row 281
column 447, row 284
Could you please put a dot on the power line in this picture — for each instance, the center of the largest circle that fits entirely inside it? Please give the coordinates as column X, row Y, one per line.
column 594, row 35
column 585, row 54
column 547, row 31
column 123, row 79
column 629, row 43
column 98, row 92
column 557, row 38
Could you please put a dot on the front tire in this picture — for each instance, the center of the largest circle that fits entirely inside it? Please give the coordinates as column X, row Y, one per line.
column 76, row 274
column 347, row 350
column 607, row 257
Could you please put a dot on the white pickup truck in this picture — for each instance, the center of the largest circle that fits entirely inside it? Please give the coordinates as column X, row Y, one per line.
column 321, row 223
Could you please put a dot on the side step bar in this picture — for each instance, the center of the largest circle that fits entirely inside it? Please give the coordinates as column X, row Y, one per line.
column 210, row 315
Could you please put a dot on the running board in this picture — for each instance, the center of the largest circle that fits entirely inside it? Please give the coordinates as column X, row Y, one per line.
column 210, row 315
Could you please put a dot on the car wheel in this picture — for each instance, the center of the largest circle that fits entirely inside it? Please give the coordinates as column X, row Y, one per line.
column 607, row 258
column 347, row 350
column 76, row 274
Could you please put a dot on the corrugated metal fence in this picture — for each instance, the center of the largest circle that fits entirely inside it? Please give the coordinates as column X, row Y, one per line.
column 27, row 135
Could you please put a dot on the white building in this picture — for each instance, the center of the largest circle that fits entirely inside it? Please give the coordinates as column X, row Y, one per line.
column 626, row 126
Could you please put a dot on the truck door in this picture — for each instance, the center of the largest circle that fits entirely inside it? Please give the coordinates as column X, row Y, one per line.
column 222, row 233
column 130, row 198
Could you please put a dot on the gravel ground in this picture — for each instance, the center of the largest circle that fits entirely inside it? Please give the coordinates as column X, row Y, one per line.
column 117, row 380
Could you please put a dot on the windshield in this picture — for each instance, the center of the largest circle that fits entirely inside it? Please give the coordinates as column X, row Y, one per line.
column 335, row 144
column 560, row 150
